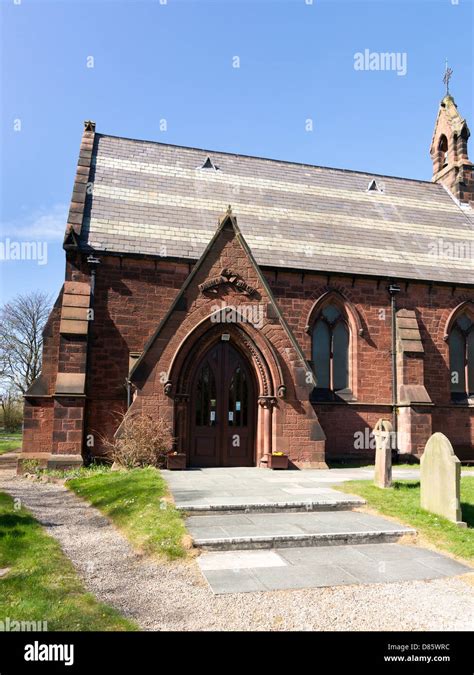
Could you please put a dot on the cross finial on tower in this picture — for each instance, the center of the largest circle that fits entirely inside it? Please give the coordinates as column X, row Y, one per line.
column 447, row 76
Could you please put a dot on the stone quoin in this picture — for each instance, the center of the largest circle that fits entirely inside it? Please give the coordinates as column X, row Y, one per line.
column 365, row 310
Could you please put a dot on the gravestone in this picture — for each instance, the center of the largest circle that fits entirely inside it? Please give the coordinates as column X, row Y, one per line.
column 383, row 453
column 441, row 479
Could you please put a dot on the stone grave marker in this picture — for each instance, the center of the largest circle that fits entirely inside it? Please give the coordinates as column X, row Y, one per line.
column 383, row 453
column 441, row 479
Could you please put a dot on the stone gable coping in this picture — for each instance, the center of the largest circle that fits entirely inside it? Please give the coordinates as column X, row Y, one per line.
column 79, row 191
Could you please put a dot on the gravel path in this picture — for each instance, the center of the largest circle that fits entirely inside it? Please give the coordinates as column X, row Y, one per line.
column 176, row 597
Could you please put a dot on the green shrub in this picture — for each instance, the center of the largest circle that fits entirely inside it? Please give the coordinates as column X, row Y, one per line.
column 30, row 466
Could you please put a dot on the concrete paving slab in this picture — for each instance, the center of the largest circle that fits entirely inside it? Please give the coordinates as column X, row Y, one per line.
column 314, row 567
column 238, row 499
column 217, row 520
column 209, row 533
column 387, row 552
column 244, row 486
column 304, row 576
column 324, row 555
column 220, row 477
column 262, row 520
column 233, row 581
column 447, row 566
column 383, row 572
column 234, row 560
column 355, row 519
column 297, row 490
column 253, row 531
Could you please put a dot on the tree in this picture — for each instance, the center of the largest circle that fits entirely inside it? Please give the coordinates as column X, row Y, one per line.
column 11, row 410
column 21, row 326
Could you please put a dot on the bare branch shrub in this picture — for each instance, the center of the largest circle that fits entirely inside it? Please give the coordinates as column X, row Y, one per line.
column 142, row 441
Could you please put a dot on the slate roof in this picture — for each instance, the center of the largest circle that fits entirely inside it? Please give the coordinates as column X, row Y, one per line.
column 153, row 198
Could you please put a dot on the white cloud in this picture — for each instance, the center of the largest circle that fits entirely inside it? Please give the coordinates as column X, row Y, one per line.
column 44, row 223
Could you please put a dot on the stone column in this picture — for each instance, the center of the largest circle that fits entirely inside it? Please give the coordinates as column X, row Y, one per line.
column 181, row 424
column 265, row 443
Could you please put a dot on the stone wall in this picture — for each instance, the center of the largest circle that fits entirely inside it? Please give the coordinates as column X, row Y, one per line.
column 133, row 295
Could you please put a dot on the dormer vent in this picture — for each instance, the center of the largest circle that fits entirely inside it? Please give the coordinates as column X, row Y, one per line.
column 208, row 164
column 375, row 187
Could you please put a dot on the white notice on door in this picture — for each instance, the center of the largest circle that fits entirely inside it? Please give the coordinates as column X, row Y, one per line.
column 231, row 416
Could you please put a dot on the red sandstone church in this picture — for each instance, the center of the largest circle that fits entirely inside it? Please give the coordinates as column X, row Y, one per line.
column 318, row 302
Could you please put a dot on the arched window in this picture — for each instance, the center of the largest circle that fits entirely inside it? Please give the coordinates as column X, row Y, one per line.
column 461, row 357
column 443, row 148
column 330, row 350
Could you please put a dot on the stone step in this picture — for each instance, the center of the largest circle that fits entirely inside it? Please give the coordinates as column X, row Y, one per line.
column 315, row 567
column 284, row 530
column 342, row 503
column 8, row 460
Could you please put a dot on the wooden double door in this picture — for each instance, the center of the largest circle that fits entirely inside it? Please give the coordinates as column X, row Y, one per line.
column 223, row 410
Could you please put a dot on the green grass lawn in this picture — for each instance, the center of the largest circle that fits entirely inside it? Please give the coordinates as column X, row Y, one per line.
column 354, row 464
column 9, row 441
column 402, row 502
column 42, row 584
column 138, row 503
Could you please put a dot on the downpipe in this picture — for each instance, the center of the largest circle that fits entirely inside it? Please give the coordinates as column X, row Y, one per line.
column 393, row 290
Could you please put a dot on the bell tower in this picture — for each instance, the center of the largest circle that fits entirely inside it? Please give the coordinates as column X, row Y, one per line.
column 451, row 164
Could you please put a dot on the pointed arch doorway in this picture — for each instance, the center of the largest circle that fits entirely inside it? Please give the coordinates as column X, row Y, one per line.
column 223, row 409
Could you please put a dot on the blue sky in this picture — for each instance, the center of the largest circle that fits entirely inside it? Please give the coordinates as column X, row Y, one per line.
column 173, row 60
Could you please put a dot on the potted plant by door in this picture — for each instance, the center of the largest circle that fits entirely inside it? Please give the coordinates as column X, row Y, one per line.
column 278, row 460
column 176, row 461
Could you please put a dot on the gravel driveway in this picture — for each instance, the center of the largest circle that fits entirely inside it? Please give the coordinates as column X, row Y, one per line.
column 174, row 596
